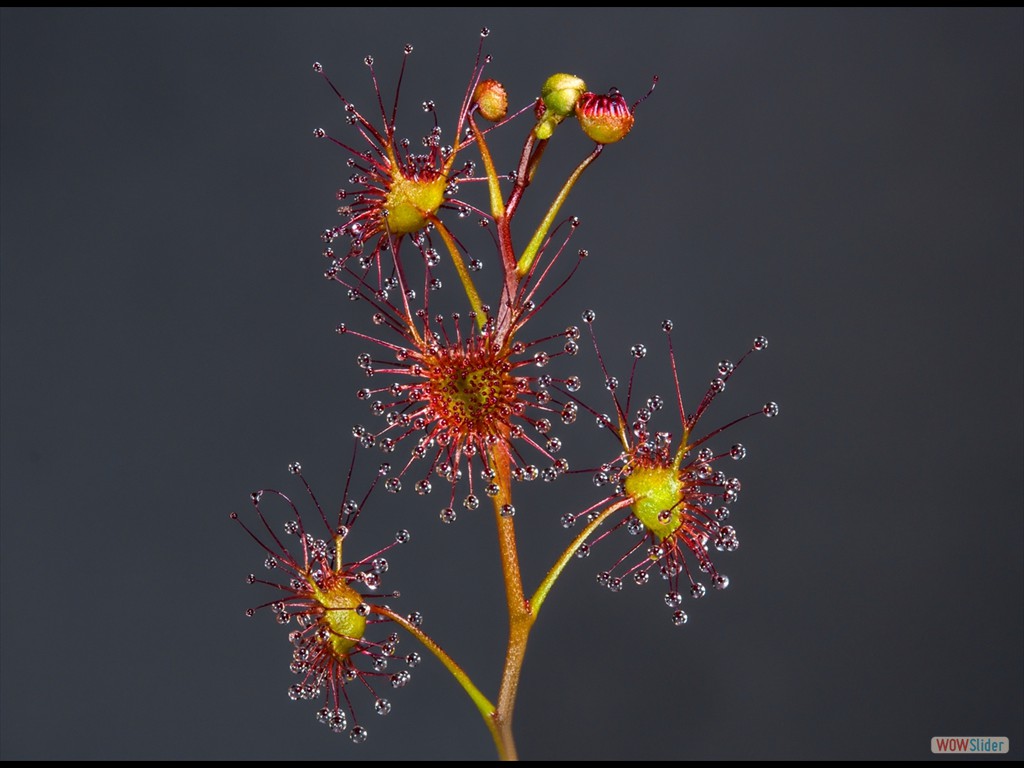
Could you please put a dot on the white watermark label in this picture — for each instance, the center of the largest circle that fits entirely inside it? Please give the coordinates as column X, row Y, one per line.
column 970, row 745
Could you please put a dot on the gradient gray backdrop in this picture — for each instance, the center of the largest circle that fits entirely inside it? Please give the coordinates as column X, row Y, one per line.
column 848, row 183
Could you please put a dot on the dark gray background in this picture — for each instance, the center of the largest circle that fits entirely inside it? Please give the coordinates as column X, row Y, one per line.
column 848, row 183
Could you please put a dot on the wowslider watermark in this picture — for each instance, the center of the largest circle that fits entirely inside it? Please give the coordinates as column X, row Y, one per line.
column 974, row 745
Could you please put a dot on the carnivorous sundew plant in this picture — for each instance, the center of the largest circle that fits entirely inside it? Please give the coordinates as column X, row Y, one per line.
column 465, row 403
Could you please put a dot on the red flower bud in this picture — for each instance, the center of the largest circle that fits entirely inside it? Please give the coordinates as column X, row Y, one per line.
column 605, row 119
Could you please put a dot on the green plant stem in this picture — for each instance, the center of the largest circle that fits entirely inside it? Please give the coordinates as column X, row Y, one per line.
column 493, row 187
column 556, row 570
column 533, row 151
column 482, row 703
column 520, row 618
column 529, row 159
column 460, row 267
column 530, row 252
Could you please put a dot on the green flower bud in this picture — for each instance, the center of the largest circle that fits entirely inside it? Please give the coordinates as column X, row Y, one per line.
column 558, row 97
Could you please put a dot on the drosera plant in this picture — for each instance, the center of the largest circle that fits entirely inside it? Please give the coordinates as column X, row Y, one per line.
column 669, row 487
column 332, row 603
column 474, row 399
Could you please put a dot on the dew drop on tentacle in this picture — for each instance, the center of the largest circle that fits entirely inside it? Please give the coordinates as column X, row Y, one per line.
column 569, row 413
column 679, row 618
column 760, row 342
column 447, row 515
column 400, row 679
column 335, row 719
column 726, row 540
column 770, row 409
